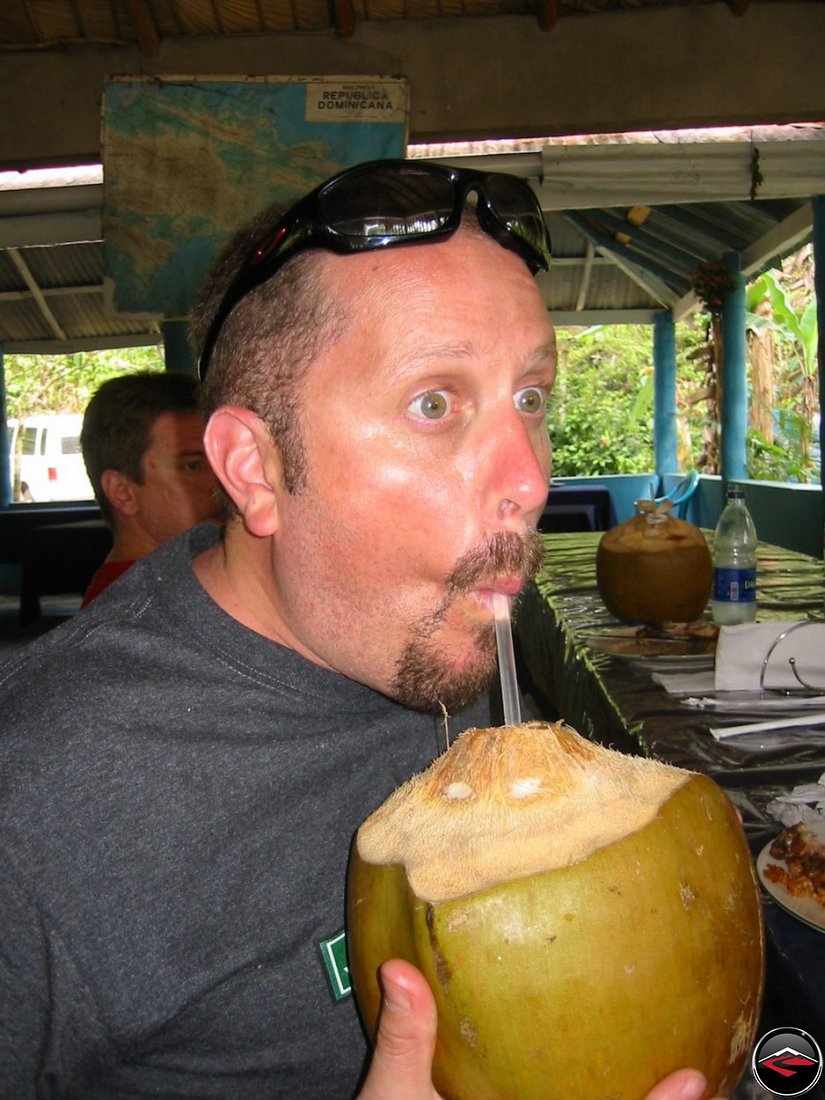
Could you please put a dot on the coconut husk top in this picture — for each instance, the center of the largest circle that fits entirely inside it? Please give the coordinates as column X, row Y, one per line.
column 652, row 530
column 511, row 801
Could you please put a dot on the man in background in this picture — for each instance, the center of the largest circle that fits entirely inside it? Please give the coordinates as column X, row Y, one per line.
column 142, row 443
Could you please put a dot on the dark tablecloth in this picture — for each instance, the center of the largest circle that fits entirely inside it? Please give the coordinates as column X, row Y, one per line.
column 617, row 702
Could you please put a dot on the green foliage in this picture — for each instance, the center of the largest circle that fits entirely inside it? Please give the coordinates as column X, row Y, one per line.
column 600, row 415
column 796, row 326
column 780, row 459
column 65, row 383
column 792, row 454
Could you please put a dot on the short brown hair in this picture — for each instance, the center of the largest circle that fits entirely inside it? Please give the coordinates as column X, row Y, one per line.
column 272, row 336
column 268, row 340
column 118, row 422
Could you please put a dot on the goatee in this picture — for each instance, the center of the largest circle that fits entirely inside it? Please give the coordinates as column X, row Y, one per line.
column 427, row 677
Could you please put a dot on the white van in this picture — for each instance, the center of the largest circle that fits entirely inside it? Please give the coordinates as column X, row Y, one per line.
column 12, row 430
column 49, row 463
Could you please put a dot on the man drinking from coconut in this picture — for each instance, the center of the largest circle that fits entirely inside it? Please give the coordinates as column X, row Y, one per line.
column 184, row 766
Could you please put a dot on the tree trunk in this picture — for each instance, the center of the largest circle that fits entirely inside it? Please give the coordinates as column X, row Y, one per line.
column 760, row 356
column 708, row 460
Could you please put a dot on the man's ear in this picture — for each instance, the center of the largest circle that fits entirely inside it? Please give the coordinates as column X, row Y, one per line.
column 119, row 491
column 248, row 465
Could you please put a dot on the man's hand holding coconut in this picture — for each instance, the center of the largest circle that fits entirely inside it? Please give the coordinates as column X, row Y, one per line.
column 402, row 1063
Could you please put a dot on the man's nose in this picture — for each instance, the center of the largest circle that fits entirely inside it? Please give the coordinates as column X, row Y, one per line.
column 518, row 474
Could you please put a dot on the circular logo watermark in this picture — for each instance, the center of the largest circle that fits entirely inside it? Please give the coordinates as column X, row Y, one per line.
column 787, row 1061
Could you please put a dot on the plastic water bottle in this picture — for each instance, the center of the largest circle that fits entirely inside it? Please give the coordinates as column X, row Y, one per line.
column 733, row 599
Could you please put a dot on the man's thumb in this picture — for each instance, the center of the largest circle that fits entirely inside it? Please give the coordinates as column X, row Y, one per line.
column 402, row 1063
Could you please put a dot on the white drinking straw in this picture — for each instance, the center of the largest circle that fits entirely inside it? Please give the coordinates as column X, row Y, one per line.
column 721, row 732
column 506, row 660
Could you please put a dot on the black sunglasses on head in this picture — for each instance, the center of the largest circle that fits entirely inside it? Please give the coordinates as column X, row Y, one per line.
column 386, row 203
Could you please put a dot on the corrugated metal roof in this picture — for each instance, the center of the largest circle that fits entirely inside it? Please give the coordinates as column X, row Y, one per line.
column 628, row 259
column 68, row 311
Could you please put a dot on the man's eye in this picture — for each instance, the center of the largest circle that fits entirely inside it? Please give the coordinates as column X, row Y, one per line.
column 433, row 405
column 531, row 399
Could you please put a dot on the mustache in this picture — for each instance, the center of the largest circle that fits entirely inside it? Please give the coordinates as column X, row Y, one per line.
column 505, row 552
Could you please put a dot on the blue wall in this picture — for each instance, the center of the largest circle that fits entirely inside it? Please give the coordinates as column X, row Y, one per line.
column 625, row 489
column 785, row 515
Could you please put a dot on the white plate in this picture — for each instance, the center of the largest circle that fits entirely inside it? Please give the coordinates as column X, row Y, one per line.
column 649, row 649
column 805, row 909
column 679, row 662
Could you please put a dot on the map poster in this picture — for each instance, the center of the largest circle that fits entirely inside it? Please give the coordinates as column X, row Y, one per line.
column 186, row 161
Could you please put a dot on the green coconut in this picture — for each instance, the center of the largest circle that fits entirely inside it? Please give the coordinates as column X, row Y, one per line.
column 588, row 921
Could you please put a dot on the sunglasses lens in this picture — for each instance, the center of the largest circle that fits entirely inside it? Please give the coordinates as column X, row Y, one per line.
column 380, row 204
column 517, row 207
column 387, row 202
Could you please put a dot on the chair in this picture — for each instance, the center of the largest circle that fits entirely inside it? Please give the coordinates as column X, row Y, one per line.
column 60, row 558
column 579, row 507
column 681, row 493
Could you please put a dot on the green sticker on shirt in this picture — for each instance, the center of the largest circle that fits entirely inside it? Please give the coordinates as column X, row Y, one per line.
column 334, row 954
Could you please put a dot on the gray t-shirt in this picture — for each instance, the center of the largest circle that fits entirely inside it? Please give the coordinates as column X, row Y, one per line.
column 177, row 799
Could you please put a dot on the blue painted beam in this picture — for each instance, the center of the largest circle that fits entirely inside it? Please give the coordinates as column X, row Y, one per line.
column 603, row 241
column 733, row 379
column 665, row 434
column 646, row 242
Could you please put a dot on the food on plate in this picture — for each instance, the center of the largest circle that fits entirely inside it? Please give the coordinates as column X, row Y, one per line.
column 654, row 568
column 700, row 628
column 803, row 875
column 588, row 921
column 694, row 639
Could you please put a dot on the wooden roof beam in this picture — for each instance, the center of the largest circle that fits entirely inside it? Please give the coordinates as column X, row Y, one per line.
column 547, row 14
column 146, row 32
column 33, row 23
column 343, row 17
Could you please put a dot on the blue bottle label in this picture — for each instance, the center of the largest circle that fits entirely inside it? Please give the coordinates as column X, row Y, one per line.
column 734, row 585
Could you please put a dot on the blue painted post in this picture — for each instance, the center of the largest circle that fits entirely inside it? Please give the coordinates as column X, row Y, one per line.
column 733, row 381
column 5, row 466
column 176, row 352
column 665, row 435
column 818, row 238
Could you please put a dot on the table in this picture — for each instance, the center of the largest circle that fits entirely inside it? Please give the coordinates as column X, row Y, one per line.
column 617, row 702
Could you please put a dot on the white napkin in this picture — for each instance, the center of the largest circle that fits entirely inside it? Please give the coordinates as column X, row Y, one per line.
column 741, row 652
column 804, row 803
